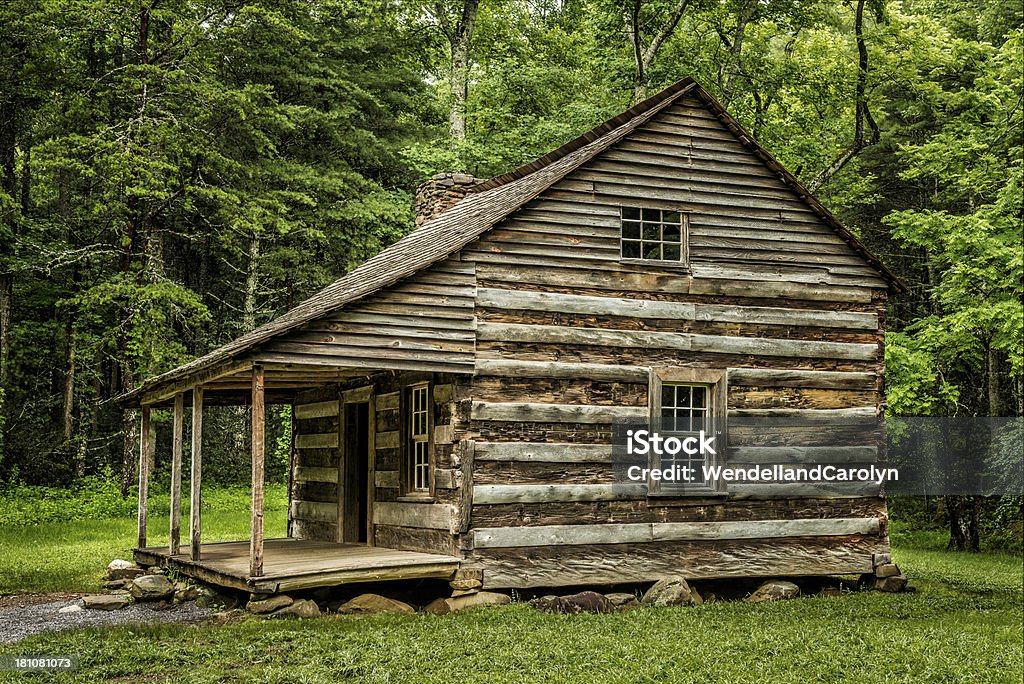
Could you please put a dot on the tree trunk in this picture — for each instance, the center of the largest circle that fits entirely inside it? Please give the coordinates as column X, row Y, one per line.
column 461, row 39
column 68, row 434
column 992, row 358
column 240, row 414
column 130, row 443
column 8, row 230
column 963, row 523
column 862, row 115
column 632, row 21
column 252, row 283
column 6, row 300
column 736, row 50
column 643, row 57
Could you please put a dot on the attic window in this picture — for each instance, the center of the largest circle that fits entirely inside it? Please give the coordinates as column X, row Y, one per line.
column 654, row 234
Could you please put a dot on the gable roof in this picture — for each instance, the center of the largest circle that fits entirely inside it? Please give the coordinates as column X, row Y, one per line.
column 487, row 204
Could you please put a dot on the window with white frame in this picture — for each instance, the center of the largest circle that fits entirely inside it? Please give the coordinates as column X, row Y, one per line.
column 654, row 235
column 418, row 444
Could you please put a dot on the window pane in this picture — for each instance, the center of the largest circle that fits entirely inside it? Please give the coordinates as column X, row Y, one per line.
column 668, row 395
column 671, row 217
column 652, row 251
column 652, row 214
column 630, row 250
column 699, row 395
column 631, row 230
column 630, row 213
column 683, row 394
column 652, row 231
column 670, row 232
column 672, row 252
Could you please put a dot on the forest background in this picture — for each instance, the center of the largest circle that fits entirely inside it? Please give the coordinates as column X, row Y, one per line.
column 174, row 173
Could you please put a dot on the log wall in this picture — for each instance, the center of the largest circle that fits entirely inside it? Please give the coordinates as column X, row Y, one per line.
column 538, row 335
column 567, row 333
column 397, row 521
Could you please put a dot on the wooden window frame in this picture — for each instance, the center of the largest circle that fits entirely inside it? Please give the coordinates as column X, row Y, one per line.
column 684, row 236
column 718, row 392
column 407, row 466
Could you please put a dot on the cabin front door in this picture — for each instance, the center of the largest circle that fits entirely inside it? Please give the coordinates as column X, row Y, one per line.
column 354, row 490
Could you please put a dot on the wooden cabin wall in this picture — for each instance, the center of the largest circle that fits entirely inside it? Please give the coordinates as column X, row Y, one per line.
column 397, row 524
column 424, row 322
column 407, row 525
column 313, row 499
column 745, row 223
column 566, row 333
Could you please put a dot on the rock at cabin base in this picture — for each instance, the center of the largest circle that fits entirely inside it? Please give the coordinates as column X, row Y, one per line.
column 269, row 604
column 774, row 590
column 185, row 592
column 583, row 602
column 73, row 608
column 151, row 588
column 207, row 597
column 369, row 604
column 106, row 601
column 119, row 569
column 117, row 585
column 467, row 584
column 892, row 583
column 887, row 570
column 303, row 608
column 443, row 606
column 623, row 601
column 672, row 591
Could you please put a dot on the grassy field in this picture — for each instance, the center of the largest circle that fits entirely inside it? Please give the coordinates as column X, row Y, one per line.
column 964, row 624
column 72, row 555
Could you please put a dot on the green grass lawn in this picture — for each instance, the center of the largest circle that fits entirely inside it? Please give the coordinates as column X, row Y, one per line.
column 964, row 624
column 71, row 556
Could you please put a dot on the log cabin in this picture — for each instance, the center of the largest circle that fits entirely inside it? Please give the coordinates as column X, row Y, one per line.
column 453, row 397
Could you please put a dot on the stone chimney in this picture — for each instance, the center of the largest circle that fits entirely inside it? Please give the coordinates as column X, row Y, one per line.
column 440, row 192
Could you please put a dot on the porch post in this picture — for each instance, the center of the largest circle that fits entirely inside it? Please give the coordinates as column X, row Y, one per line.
column 197, row 469
column 179, row 428
column 144, row 447
column 256, row 540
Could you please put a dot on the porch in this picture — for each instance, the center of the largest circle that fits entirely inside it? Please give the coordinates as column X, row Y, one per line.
column 295, row 564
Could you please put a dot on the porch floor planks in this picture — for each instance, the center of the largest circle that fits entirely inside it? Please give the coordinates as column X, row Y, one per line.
column 293, row 564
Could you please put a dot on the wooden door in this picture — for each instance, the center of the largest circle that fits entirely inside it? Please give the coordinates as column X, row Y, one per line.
column 354, row 474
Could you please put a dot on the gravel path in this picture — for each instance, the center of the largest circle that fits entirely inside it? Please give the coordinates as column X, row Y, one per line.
column 20, row 621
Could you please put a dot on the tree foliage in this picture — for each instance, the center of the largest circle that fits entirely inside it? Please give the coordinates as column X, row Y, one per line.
column 173, row 174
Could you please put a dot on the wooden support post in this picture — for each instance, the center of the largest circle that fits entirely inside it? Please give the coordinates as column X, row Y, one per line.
column 258, row 418
column 197, row 471
column 179, row 429
column 144, row 446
